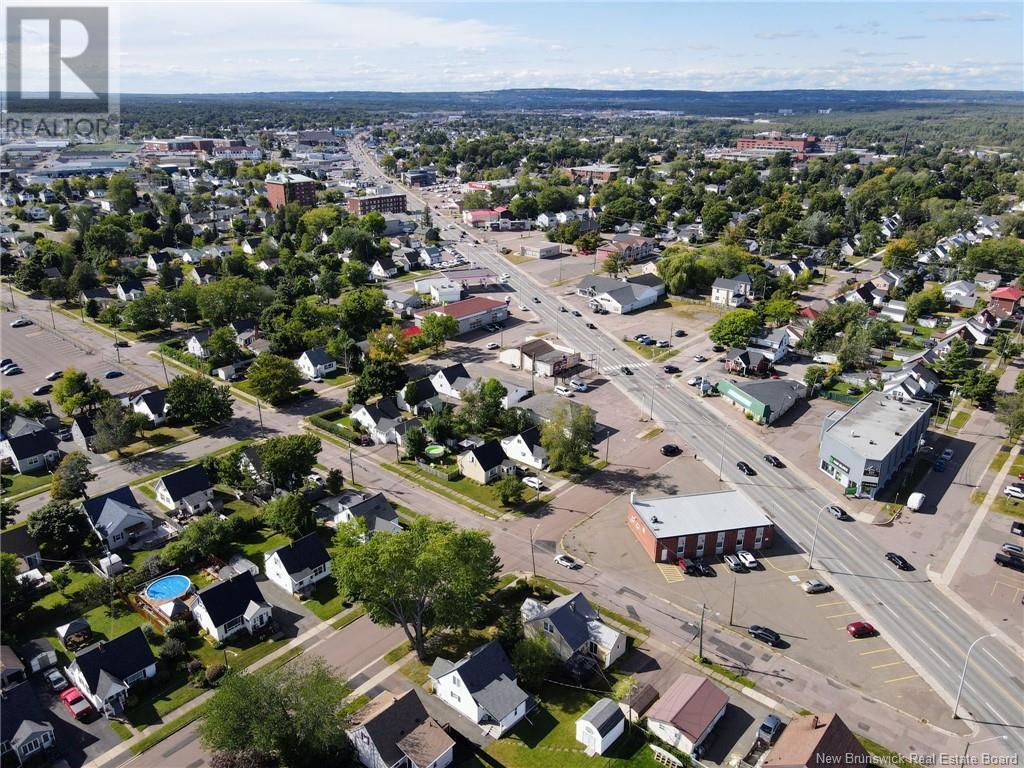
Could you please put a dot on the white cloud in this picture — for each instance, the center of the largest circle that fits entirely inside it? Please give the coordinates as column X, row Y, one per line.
column 979, row 16
column 777, row 35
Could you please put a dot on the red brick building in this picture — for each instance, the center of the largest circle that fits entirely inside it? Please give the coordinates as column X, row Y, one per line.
column 387, row 203
column 284, row 188
column 598, row 173
column 778, row 141
column 698, row 525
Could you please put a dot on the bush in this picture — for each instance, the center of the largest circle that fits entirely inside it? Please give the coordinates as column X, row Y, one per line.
column 213, row 673
column 152, row 636
column 194, row 665
column 177, row 630
column 185, row 358
column 172, row 650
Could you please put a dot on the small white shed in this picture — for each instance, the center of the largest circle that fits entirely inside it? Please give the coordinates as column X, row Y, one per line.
column 600, row 726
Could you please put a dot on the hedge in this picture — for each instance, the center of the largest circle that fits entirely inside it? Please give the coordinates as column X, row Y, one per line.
column 186, row 358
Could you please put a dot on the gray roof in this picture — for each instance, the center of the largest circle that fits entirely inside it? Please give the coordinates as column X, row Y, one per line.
column 318, row 356
column 779, row 395
column 570, row 615
column 117, row 516
column 489, row 678
column 876, row 424
column 604, row 716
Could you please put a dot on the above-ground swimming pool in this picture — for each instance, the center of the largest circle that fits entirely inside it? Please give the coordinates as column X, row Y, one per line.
column 168, row 587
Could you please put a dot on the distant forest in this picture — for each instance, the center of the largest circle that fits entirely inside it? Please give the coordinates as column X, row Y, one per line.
column 952, row 118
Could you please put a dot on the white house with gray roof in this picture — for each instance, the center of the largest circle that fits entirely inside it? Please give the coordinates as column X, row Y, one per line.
column 573, row 627
column 481, row 686
column 732, row 291
column 617, row 296
column 116, row 518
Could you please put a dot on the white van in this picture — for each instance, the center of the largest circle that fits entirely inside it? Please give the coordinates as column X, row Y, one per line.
column 916, row 502
column 563, row 391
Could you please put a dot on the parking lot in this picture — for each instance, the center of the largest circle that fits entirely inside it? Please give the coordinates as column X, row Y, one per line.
column 813, row 627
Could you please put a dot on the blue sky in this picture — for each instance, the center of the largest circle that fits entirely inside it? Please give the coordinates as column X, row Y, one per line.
column 222, row 45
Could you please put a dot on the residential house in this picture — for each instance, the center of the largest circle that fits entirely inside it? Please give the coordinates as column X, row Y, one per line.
column 543, row 357
column 396, row 732
column 250, row 244
column 988, row 226
column 17, row 541
column 891, row 226
column 430, row 256
column 227, row 607
column 618, row 296
column 420, row 397
column 573, row 629
column 375, row 511
column 188, row 490
column 156, row 261
column 152, row 405
column 732, row 291
column 246, row 331
column 888, row 280
column 894, row 310
column 911, row 381
column 129, row 290
column 315, row 363
column 379, row 419
column 651, row 280
column 105, row 672
column 403, row 304
column 772, row 343
column 483, row 463
column 988, row 281
column 600, row 726
column 471, row 314
column 748, row 362
column 863, row 294
column 203, row 275
column 452, row 381
column 30, row 452
column 525, row 448
column 384, row 269
column 629, row 248
column 117, row 518
column 26, row 730
column 810, row 741
column 687, row 712
column 196, row 344
column 12, row 671
column 960, row 293
column 100, row 295
column 481, row 686
column 298, row 566
column 1008, row 298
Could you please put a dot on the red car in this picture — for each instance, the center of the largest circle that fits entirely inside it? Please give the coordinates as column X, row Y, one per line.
column 76, row 703
column 860, row 629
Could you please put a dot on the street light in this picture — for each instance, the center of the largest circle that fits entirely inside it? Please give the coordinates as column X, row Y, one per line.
column 814, row 538
column 721, row 460
column 963, row 675
column 533, row 554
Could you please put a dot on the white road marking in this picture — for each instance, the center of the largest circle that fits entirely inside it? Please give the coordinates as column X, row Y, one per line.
column 939, row 611
column 988, row 653
column 936, row 653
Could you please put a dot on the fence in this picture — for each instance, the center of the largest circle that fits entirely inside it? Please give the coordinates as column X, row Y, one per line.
column 444, row 475
column 839, row 398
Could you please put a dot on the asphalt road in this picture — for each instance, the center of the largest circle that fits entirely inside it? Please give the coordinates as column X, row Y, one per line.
column 928, row 628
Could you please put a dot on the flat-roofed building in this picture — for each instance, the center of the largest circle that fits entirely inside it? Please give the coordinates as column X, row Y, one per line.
column 698, row 524
column 390, row 202
column 864, row 447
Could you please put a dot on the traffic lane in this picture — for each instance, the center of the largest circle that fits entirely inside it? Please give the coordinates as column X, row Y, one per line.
column 363, row 643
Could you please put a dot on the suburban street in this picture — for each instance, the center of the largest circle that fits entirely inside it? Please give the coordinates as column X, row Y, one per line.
column 932, row 630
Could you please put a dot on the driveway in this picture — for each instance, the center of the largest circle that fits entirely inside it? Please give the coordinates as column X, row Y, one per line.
column 77, row 741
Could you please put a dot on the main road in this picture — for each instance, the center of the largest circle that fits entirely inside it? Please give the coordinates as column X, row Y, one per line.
column 931, row 630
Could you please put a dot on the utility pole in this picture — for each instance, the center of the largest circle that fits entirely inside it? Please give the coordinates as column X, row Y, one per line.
column 721, row 460
column 259, row 410
column 117, row 349
column 533, row 554
column 163, row 365
column 732, row 607
column 53, row 321
column 814, row 538
column 700, row 651
column 351, row 465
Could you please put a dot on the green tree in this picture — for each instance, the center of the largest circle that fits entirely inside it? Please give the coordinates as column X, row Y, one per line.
column 291, row 515
column 287, row 459
column 59, row 527
column 116, row 426
column 122, row 193
column 779, row 311
column 71, row 477
column 492, row 395
column 273, row 378
column 438, row 328
column 222, row 346
column 955, row 364
column 1010, row 411
column 509, row 490
column 614, row 265
column 431, row 575
column 297, row 714
column 814, row 376
column 415, row 443
column 15, row 595
column 388, row 344
column 735, row 328
column 342, row 347
column 75, row 392
column 8, row 511
column 206, row 535
column 568, row 436
column 714, row 215
column 232, row 298
column 62, row 578
column 533, row 661
column 379, row 377
column 335, row 481
column 1018, row 385
column 194, row 399
column 979, row 386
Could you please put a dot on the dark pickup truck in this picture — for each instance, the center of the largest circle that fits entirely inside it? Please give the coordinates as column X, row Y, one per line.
column 1009, row 561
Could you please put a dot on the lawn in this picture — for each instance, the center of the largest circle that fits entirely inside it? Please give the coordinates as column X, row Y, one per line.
column 652, row 352
column 486, row 501
column 326, row 601
column 161, row 438
column 27, row 485
column 548, row 736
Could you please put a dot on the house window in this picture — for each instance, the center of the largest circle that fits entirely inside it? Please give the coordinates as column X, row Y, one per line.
column 454, row 696
column 118, row 536
column 30, row 747
column 234, row 624
column 549, row 627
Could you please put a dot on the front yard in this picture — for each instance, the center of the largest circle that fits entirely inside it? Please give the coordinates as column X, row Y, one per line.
column 19, row 485
column 158, row 438
column 484, row 499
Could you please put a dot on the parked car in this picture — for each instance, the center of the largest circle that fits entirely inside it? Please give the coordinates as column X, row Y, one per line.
column 591, row 326
column 747, row 559
column 1017, row 528
column 939, row 465
column 899, row 561
column 563, row 391
column 640, row 337
column 679, row 333
column 121, row 343
column 689, row 567
column 54, row 375
column 662, row 344
column 860, row 629
column 718, row 348
column 492, row 345
column 764, row 634
column 42, row 389
column 536, row 300
column 735, row 564
column 670, row 369
column 814, row 586
column 774, row 461
column 648, row 342
column 21, row 322
column 745, row 468
column 568, row 561
column 699, row 358
column 11, row 370
column 1013, row 549
column 705, row 568
column 77, row 704
column 579, row 385
column 64, row 434
column 670, row 449
column 533, row 482
column 769, row 730
column 1014, row 491
column 112, row 374
column 947, row 455
column 55, row 679
column 693, row 382
column 1009, row 561
column 562, row 309
column 576, row 313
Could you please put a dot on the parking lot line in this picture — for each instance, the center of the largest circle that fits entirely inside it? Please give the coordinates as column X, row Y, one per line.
column 897, row 679
column 672, row 574
column 773, row 565
column 880, row 650
column 838, row 615
column 890, row 664
column 826, row 605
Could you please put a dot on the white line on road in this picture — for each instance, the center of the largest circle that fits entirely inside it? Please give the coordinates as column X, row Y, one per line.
column 939, row 611
column 988, row 653
column 936, row 653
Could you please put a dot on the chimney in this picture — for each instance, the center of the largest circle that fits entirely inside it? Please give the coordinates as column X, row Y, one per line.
column 814, row 723
column 632, row 497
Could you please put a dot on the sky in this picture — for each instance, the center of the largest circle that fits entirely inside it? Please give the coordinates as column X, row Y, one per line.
column 220, row 46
